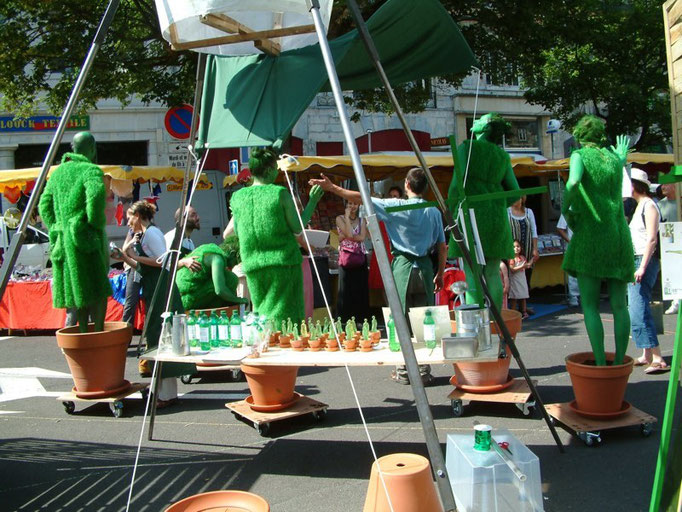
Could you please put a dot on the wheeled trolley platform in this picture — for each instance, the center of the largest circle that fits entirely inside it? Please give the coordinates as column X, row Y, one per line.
column 115, row 402
column 588, row 430
column 518, row 393
column 261, row 421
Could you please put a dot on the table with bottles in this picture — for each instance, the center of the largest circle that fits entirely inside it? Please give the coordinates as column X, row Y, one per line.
column 217, row 339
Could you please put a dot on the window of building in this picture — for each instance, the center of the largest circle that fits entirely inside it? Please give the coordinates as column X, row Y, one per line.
column 525, row 133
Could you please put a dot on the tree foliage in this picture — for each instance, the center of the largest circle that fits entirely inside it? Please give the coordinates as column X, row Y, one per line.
column 608, row 55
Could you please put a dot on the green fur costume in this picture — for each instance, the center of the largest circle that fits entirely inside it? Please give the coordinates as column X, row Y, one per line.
column 602, row 182
column 197, row 288
column 72, row 208
column 270, row 255
column 489, row 163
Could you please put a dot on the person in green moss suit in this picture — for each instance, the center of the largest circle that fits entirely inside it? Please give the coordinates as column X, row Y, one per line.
column 72, row 208
column 265, row 220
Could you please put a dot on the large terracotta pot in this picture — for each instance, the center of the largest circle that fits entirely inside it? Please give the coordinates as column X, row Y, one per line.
column 97, row 360
column 272, row 387
column 599, row 390
column 409, row 483
column 221, row 500
column 491, row 376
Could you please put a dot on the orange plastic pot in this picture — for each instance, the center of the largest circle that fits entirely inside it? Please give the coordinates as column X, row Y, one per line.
column 271, row 387
column 97, row 360
column 599, row 390
column 221, row 501
column 409, row 484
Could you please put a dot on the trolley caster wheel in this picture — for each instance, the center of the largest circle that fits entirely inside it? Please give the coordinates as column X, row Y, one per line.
column 69, row 407
column 590, row 438
column 237, row 375
column 646, row 429
column 145, row 394
column 263, row 428
column 116, row 408
column 457, row 408
column 526, row 408
column 320, row 415
column 186, row 379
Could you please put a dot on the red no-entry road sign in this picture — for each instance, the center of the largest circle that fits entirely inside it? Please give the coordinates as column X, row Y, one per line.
column 178, row 121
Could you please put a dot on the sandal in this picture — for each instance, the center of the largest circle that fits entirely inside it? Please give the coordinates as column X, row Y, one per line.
column 641, row 362
column 657, row 367
column 524, row 316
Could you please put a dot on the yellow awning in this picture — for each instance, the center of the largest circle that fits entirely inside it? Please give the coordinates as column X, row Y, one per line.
column 19, row 177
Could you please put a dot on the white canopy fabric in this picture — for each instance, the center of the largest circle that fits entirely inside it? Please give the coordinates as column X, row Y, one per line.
column 187, row 23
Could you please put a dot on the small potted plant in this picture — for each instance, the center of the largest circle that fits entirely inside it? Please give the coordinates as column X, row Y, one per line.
column 284, row 338
column 296, row 341
column 375, row 333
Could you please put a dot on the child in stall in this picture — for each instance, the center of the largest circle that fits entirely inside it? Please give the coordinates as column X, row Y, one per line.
column 518, row 287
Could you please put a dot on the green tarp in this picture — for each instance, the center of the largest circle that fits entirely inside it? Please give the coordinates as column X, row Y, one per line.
column 256, row 100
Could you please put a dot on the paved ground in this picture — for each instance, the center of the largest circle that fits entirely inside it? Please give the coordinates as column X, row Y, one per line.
column 52, row 461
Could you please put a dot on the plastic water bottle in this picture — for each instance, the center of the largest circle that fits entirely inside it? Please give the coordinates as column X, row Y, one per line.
column 236, row 330
column 204, row 333
column 429, row 330
column 393, row 343
column 224, row 330
column 215, row 341
column 191, row 329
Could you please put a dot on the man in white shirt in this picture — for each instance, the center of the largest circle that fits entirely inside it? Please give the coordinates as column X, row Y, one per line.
column 566, row 233
column 187, row 245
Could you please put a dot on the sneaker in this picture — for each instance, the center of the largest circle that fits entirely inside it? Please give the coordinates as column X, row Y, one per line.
column 573, row 302
column 400, row 378
column 145, row 368
column 674, row 308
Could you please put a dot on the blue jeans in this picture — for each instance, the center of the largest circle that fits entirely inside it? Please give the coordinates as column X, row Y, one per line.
column 639, row 298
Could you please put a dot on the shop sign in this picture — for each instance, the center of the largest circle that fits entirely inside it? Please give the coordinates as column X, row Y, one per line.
column 440, row 141
column 671, row 259
column 41, row 123
column 177, row 187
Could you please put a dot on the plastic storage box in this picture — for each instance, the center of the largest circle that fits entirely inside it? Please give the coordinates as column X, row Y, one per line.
column 482, row 481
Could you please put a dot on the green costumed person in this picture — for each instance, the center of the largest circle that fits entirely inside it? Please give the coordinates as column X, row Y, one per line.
column 265, row 220
column 72, row 208
column 601, row 246
column 214, row 285
column 489, row 171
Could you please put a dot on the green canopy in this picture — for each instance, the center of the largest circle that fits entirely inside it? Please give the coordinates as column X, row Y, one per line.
column 255, row 100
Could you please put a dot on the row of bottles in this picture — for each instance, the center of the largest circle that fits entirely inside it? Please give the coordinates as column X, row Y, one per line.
column 429, row 332
column 215, row 331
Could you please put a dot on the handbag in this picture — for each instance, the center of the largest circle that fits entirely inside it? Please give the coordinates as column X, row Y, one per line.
column 350, row 257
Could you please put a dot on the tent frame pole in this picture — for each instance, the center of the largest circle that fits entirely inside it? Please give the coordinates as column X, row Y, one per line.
column 402, row 330
column 451, row 224
column 170, row 262
column 20, row 234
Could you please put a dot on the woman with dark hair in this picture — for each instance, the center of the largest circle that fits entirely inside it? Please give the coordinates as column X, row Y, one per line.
column 601, row 247
column 525, row 230
column 265, row 220
column 353, row 298
column 143, row 252
column 644, row 232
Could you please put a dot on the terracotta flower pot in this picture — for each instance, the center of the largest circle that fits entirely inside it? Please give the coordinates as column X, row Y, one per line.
column 342, row 337
column 297, row 345
column 272, row 387
column 221, row 500
column 599, row 390
column 315, row 345
column 491, row 376
column 375, row 336
column 306, row 340
column 332, row 345
column 284, row 341
column 274, row 338
column 97, row 360
column 409, row 483
column 365, row 345
column 350, row 346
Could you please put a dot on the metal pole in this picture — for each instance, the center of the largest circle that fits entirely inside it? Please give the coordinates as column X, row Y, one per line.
column 171, row 259
column 402, row 330
column 452, row 226
column 20, row 235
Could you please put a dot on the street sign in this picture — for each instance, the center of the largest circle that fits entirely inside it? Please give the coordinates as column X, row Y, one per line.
column 234, row 167
column 178, row 121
